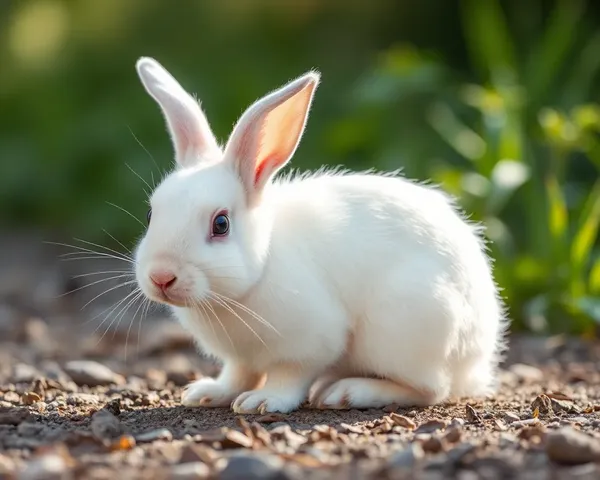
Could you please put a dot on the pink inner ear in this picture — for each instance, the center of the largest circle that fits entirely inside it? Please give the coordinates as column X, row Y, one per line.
column 266, row 164
column 279, row 133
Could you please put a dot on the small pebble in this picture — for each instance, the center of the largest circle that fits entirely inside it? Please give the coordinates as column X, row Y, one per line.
column 23, row 373
column 150, row 398
column 51, row 466
column 189, row 471
column 566, row 406
column 527, row 373
column 12, row 397
column 453, row 435
column 105, row 425
column 407, row 458
column 460, row 451
column 431, row 426
column 253, row 466
column 13, row 416
column 457, row 422
column 542, row 404
column 391, row 408
column 92, row 374
column 7, row 466
column 82, row 399
column 271, row 418
column 432, row 445
column 151, row 436
column 29, row 429
column 510, row 417
column 579, row 420
column 569, row 446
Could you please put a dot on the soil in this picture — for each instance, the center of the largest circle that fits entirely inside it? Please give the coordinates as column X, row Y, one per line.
column 78, row 403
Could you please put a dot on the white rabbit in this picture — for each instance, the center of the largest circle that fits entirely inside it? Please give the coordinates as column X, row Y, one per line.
column 368, row 287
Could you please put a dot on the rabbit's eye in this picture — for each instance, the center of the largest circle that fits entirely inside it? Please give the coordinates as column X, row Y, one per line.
column 220, row 225
column 149, row 216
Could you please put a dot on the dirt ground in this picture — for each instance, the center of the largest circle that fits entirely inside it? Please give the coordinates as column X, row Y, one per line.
column 75, row 403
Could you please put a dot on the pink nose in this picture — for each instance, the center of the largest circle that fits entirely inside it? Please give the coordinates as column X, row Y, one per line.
column 163, row 279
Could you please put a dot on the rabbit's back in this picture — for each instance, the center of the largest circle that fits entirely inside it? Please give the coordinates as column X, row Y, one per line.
column 405, row 264
column 368, row 222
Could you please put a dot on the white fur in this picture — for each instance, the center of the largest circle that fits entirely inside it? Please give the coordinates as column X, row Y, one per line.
column 373, row 284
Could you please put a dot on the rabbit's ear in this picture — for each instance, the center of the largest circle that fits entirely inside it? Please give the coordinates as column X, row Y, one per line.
column 191, row 135
column 268, row 133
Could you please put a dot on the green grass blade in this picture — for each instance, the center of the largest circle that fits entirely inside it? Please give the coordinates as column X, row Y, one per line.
column 586, row 234
column 581, row 78
column 488, row 38
column 465, row 141
column 558, row 216
column 594, row 283
column 553, row 48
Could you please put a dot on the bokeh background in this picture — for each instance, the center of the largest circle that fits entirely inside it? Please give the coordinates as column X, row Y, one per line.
column 495, row 100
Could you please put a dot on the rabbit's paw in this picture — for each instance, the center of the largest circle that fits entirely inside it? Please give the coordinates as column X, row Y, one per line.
column 266, row 401
column 207, row 392
column 366, row 393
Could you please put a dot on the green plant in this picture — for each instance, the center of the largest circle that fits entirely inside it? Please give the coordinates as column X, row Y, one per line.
column 523, row 154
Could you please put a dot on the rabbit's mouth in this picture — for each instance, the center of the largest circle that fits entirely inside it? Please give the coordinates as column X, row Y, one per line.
column 171, row 299
column 170, row 296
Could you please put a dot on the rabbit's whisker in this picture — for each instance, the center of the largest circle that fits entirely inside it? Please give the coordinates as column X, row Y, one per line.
column 124, row 284
column 128, row 213
column 142, row 318
column 92, row 284
column 229, row 309
column 162, row 173
column 212, row 310
column 120, row 315
column 205, row 315
column 82, row 250
column 120, row 243
column 251, row 312
column 110, row 250
column 106, row 272
column 132, row 322
column 112, row 308
column 141, row 178
column 85, row 256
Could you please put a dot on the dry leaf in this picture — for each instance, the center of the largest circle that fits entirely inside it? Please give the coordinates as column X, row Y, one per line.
column 402, row 421
column 29, row 398
column 235, row 439
column 472, row 415
column 245, row 426
column 559, row 396
column 261, row 433
column 352, row 428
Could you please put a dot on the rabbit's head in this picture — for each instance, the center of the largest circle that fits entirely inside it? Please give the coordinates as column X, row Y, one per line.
column 209, row 229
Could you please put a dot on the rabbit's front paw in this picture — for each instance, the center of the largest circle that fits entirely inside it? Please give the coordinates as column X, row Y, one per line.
column 207, row 392
column 266, row 401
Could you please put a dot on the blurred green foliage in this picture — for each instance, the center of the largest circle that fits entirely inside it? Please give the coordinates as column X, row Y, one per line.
column 497, row 101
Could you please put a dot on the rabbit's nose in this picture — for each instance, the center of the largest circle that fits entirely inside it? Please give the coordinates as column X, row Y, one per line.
column 163, row 279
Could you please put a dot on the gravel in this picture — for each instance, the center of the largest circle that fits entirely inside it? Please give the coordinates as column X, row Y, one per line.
column 79, row 403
